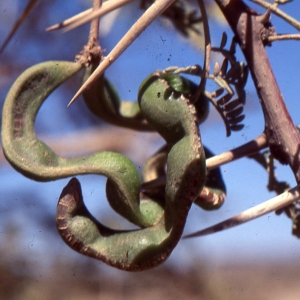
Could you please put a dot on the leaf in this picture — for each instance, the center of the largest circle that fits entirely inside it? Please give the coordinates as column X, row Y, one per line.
column 235, row 112
column 223, row 84
column 223, row 40
column 232, row 105
column 232, row 47
column 216, row 69
column 237, row 127
column 236, row 120
column 217, row 93
column 241, row 95
column 224, row 67
column 234, row 72
column 224, row 99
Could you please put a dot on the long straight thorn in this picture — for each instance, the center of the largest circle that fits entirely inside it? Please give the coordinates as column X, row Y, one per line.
column 157, row 8
column 252, row 213
column 88, row 15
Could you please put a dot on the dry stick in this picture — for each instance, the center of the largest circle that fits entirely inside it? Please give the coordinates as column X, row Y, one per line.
column 247, row 149
column 20, row 20
column 207, row 50
column 92, row 52
column 282, row 37
column 278, row 12
column 157, row 8
column 277, row 2
column 88, row 15
column 275, row 203
column 71, row 20
column 94, row 30
column 111, row 5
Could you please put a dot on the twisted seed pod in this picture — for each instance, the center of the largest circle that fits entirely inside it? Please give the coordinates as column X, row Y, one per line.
column 36, row 160
column 175, row 119
column 171, row 115
column 103, row 101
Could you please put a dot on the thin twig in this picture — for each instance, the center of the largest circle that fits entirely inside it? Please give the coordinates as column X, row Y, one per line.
column 18, row 23
column 277, row 2
column 247, row 149
column 207, row 50
column 281, row 37
column 73, row 19
column 110, row 6
column 252, row 213
column 92, row 52
column 278, row 12
column 140, row 25
column 216, row 161
column 95, row 23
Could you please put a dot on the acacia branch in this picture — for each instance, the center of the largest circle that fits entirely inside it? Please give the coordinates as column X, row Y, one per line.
column 282, row 136
column 274, row 9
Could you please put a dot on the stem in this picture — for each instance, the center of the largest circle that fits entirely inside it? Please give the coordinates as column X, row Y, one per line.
column 71, row 20
column 282, row 37
column 92, row 52
column 108, row 7
column 252, row 213
column 216, row 161
column 95, row 23
column 273, row 8
column 207, row 50
column 88, row 15
column 247, row 149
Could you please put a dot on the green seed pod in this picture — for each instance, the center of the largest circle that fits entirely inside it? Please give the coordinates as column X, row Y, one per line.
column 103, row 101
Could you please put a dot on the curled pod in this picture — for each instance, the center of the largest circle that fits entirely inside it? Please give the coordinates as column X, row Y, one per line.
column 22, row 149
column 161, row 226
column 103, row 101
column 175, row 119
column 36, row 160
